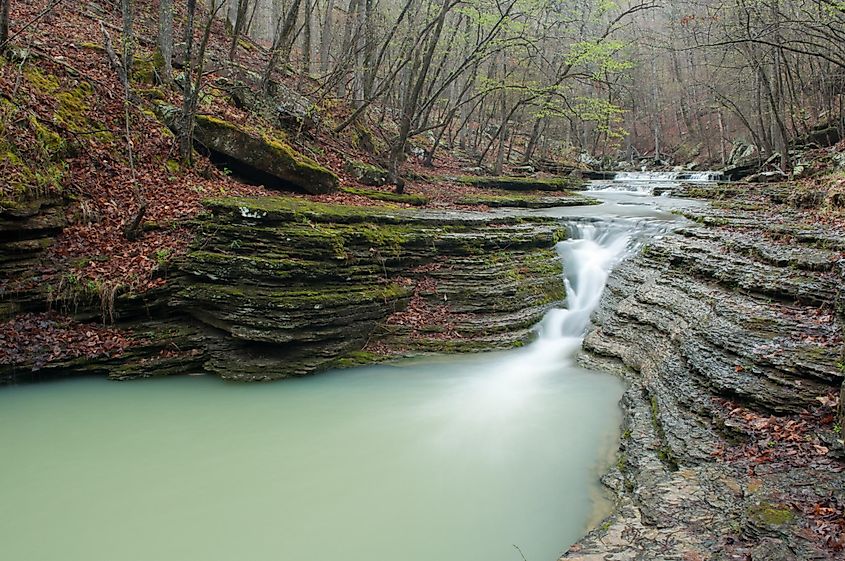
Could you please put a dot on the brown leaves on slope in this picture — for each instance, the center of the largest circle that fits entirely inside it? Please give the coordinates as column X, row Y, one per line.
column 789, row 440
column 37, row 339
column 792, row 444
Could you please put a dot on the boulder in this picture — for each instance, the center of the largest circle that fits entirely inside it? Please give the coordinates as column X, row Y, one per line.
column 554, row 167
column 283, row 107
column 367, row 174
column 262, row 159
column 767, row 177
column 822, row 135
column 743, row 161
column 742, row 153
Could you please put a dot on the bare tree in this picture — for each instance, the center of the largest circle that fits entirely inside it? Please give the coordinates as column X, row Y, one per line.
column 194, row 74
column 5, row 7
column 165, row 38
column 282, row 43
column 240, row 24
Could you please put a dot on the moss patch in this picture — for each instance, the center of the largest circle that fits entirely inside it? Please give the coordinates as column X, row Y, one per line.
column 771, row 515
column 416, row 200
column 522, row 183
column 266, row 153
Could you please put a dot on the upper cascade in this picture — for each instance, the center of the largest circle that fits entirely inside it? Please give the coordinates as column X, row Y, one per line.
column 668, row 176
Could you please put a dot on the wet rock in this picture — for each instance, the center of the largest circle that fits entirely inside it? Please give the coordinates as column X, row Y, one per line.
column 505, row 200
column 741, row 308
column 523, row 183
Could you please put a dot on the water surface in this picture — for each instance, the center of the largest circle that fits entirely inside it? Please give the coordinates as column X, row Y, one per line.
column 449, row 460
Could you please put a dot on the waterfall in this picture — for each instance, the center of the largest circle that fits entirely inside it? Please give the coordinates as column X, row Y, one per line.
column 484, row 407
column 694, row 176
column 588, row 257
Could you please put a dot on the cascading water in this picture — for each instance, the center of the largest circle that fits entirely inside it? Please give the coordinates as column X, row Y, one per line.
column 647, row 182
column 486, row 404
column 588, row 257
column 694, row 176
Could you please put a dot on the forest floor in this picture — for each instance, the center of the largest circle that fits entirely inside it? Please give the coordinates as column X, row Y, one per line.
column 64, row 134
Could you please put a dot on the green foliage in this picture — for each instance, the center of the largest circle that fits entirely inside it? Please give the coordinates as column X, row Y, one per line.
column 606, row 116
column 601, row 58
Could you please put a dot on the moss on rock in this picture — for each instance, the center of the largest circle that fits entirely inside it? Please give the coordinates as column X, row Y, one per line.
column 267, row 154
column 522, row 183
column 304, row 286
column 405, row 198
column 505, row 200
column 367, row 174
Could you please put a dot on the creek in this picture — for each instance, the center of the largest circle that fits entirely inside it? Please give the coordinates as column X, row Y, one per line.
column 490, row 456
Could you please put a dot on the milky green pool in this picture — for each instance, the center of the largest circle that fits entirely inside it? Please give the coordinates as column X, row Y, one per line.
column 447, row 461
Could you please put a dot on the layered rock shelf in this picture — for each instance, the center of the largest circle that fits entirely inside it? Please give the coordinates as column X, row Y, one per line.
column 26, row 231
column 729, row 333
column 276, row 287
column 299, row 286
column 507, row 183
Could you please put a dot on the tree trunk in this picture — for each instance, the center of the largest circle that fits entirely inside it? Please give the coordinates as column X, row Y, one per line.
column 165, row 39
column 128, row 44
column 185, row 134
column 5, row 6
column 409, row 108
column 347, row 46
column 536, row 130
column 359, row 75
column 240, row 21
column 306, row 38
column 280, row 53
column 326, row 37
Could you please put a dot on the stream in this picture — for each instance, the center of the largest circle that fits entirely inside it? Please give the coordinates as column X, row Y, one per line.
column 484, row 457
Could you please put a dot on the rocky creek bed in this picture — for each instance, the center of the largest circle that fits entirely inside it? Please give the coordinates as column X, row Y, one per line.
column 729, row 333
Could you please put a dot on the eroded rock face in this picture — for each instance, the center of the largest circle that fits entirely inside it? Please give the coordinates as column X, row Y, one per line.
column 27, row 229
column 278, row 287
column 728, row 335
column 295, row 287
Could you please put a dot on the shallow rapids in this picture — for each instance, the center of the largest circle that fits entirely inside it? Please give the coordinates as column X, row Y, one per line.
column 490, row 457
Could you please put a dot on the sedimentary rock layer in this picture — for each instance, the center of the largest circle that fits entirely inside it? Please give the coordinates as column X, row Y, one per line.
column 729, row 336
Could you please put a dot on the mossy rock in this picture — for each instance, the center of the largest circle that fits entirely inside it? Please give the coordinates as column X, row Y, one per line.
column 522, row 183
column 527, row 201
column 771, row 515
column 415, row 200
column 367, row 174
column 268, row 155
